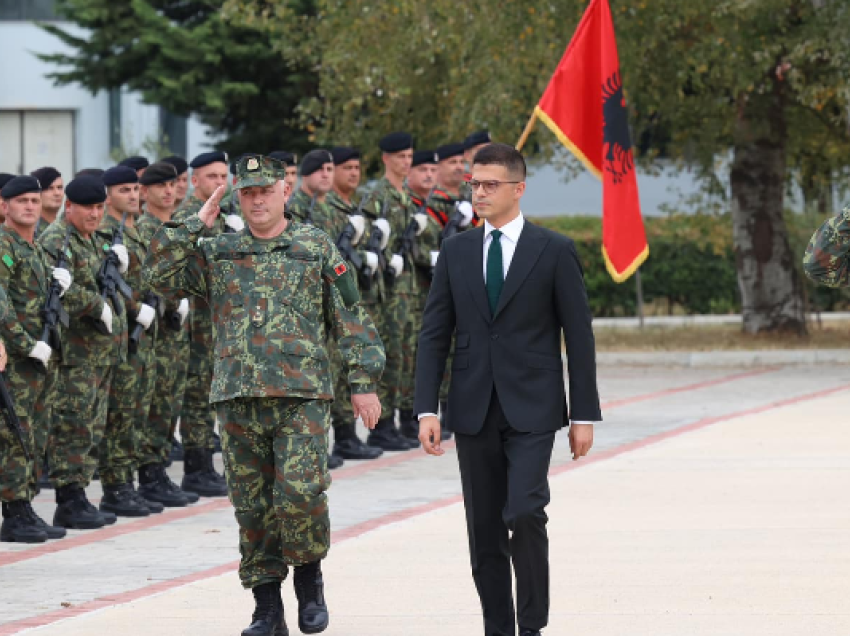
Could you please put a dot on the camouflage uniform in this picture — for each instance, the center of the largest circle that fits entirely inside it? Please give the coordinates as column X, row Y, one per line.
column 171, row 357
column 26, row 276
column 827, row 259
column 197, row 419
column 273, row 302
column 133, row 379
column 84, row 377
column 397, row 311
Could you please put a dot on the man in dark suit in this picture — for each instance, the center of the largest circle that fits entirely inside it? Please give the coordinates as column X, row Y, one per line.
column 507, row 291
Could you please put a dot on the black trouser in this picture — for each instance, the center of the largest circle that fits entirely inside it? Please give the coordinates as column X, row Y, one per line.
column 505, row 488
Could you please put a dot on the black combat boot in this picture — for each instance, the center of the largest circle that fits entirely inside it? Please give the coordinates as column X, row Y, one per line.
column 268, row 619
column 153, row 488
column 385, row 436
column 52, row 532
column 18, row 526
column 310, row 592
column 348, row 446
column 409, row 424
column 335, row 461
column 119, row 500
column 108, row 517
column 445, row 431
column 154, row 507
column 197, row 477
column 210, row 463
column 74, row 510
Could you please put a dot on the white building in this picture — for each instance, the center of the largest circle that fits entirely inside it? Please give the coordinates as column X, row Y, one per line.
column 66, row 126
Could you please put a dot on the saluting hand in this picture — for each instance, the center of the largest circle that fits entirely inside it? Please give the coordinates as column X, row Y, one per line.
column 209, row 213
column 367, row 406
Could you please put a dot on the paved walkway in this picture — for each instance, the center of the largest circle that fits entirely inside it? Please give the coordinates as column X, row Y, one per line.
column 714, row 503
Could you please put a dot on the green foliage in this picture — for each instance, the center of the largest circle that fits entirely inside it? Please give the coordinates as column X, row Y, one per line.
column 183, row 56
column 691, row 266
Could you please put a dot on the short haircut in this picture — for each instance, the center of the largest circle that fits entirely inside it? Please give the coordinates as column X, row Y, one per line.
column 502, row 155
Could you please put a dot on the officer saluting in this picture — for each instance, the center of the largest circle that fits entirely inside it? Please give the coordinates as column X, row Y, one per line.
column 276, row 288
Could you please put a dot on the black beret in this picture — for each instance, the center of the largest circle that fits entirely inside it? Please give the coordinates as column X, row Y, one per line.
column 5, row 178
column 424, row 156
column 16, row 186
column 90, row 172
column 476, row 139
column 286, row 157
column 86, row 191
column 314, row 160
column 450, row 150
column 341, row 154
column 177, row 162
column 119, row 175
column 235, row 164
column 159, row 172
column 396, row 142
column 46, row 176
column 206, row 158
column 136, row 163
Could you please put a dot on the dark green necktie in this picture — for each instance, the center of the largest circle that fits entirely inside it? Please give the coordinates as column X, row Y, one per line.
column 495, row 273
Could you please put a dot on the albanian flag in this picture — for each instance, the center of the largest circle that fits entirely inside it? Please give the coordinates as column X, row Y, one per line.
column 585, row 108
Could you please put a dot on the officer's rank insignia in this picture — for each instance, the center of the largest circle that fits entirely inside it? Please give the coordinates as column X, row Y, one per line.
column 253, row 164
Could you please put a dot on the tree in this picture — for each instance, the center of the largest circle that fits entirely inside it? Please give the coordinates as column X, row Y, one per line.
column 763, row 80
column 182, row 55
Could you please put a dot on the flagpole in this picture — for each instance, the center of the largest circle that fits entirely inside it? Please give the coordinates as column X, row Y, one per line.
column 639, row 288
column 527, row 131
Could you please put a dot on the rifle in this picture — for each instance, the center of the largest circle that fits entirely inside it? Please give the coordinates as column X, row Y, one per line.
column 136, row 335
column 374, row 243
column 406, row 244
column 7, row 405
column 109, row 277
column 345, row 246
column 227, row 228
column 53, row 313
column 453, row 226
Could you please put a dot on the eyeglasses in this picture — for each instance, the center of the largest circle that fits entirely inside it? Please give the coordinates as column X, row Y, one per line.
column 489, row 186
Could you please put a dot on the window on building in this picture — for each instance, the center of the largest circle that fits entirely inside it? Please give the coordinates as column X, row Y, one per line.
column 28, row 10
column 31, row 139
column 175, row 130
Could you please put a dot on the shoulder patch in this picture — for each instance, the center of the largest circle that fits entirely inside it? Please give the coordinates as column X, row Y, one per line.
column 340, row 276
column 8, row 260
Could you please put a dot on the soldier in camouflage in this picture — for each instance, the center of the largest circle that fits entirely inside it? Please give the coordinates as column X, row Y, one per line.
column 471, row 145
column 291, row 161
column 197, row 419
column 392, row 204
column 827, row 259
column 94, row 343
column 25, row 275
column 171, row 353
column 276, row 289
column 181, row 184
column 52, row 196
column 133, row 379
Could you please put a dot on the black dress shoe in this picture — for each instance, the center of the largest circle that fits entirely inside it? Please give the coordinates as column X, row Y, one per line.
column 310, row 591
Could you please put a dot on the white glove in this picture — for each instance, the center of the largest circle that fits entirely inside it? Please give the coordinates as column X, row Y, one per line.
column 146, row 315
column 371, row 263
column 183, row 309
column 359, row 224
column 422, row 221
column 397, row 263
column 465, row 208
column 63, row 277
column 106, row 316
column 384, row 226
column 434, row 257
column 41, row 352
column 234, row 222
column 123, row 257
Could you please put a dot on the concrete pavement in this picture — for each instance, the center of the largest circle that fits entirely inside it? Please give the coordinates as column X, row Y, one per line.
column 714, row 503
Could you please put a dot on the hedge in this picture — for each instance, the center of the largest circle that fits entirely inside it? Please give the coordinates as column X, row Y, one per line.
column 690, row 269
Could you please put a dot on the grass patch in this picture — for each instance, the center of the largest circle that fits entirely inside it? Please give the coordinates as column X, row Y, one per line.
column 718, row 338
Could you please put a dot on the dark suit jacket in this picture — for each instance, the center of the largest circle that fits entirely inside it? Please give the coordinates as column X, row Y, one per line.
column 517, row 351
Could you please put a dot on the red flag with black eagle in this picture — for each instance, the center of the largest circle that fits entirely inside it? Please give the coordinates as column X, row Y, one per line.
column 584, row 106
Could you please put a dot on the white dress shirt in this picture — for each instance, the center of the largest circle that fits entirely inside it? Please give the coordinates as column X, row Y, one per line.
column 508, row 241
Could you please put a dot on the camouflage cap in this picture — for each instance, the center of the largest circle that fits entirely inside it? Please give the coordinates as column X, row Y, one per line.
column 257, row 170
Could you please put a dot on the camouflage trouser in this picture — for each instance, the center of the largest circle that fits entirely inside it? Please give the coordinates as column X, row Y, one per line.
column 276, row 463
column 341, row 409
column 410, row 343
column 130, row 398
column 27, row 386
column 79, row 419
column 197, row 419
column 171, row 352
column 396, row 318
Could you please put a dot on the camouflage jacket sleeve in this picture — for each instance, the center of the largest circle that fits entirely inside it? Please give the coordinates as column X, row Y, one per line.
column 358, row 340
column 14, row 336
column 4, row 303
column 827, row 259
column 175, row 260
